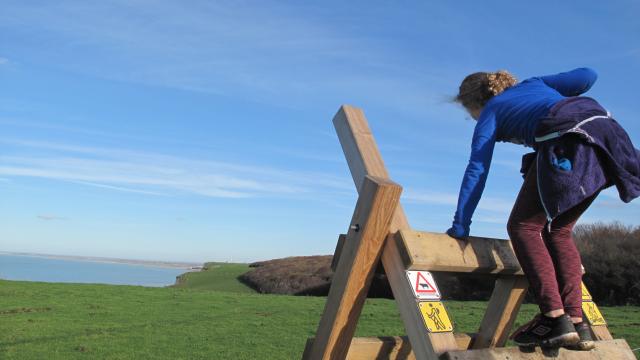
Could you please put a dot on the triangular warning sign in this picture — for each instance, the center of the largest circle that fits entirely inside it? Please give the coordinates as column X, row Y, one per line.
column 423, row 286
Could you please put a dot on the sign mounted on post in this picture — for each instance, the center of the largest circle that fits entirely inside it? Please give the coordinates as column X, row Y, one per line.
column 423, row 285
column 592, row 313
column 435, row 316
column 585, row 294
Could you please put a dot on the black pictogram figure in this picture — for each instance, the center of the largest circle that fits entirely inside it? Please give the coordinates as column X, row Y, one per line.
column 434, row 315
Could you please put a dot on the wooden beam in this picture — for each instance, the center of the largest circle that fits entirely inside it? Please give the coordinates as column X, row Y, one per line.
column 338, row 251
column 363, row 158
column 503, row 307
column 361, row 152
column 361, row 253
column 336, row 254
column 611, row 349
column 422, row 250
column 425, row 345
column 387, row 347
column 601, row 332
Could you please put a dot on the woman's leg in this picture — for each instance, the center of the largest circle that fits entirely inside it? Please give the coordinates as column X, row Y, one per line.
column 526, row 225
column 566, row 258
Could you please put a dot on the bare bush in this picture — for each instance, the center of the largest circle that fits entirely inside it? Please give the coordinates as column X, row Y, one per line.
column 301, row 275
column 611, row 256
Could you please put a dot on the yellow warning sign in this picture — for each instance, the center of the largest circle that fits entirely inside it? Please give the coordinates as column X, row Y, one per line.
column 435, row 316
column 586, row 296
column 593, row 313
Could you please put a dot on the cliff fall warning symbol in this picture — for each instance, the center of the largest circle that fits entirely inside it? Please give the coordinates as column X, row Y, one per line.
column 423, row 285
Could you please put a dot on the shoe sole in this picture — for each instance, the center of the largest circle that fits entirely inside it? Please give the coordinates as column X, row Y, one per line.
column 583, row 345
column 568, row 339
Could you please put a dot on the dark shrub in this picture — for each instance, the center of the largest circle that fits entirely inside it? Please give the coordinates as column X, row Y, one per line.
column 311, row 275
column 611, row 256
column 301, row 275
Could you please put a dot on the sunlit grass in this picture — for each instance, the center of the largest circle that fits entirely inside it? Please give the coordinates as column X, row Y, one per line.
column 80, row 321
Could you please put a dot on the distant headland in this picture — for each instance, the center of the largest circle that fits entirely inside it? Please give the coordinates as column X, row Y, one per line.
column 155, row 263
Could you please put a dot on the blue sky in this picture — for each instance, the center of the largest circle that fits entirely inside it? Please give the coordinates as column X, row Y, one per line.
column 202, row 130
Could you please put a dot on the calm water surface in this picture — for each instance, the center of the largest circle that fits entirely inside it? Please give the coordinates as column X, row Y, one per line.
column 33, row 268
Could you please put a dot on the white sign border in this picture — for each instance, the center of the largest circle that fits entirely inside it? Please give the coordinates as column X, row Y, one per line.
column 412, row 277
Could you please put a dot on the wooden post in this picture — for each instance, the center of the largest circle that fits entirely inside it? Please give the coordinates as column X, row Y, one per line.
column 601, row 332
column 361, row 252
column 502, row 310
column 363, row 158
column 362, row 154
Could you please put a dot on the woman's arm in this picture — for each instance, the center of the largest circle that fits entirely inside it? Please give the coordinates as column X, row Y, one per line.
column 475, row 176
column 572, row 83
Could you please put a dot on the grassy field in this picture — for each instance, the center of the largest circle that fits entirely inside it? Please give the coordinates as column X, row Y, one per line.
column 216, row 276
column 74, row 321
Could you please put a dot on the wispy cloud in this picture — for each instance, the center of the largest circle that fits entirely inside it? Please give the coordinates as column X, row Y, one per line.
column 258, row 50
column 158, row 174
column 430, row 197
column 451, row 199
column 509, row 164
column 51, row 217
column 610, row 198
column 118, row 188
column 502, row 220
column 4, row 61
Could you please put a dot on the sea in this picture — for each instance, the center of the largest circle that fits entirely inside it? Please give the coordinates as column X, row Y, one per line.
column 48, row 269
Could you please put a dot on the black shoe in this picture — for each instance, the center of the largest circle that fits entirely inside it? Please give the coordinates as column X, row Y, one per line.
column 547, row 332
column 586, row 341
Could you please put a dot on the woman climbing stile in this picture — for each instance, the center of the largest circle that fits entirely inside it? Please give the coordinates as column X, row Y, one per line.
column 579, row 151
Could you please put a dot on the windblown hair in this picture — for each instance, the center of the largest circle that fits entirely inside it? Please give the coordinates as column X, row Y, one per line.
column 478, row 88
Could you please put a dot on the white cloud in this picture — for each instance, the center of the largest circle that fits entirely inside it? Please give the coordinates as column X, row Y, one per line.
column 502, row 220
column 261, row 51
column 118, row 188
column 430, row 197
column 158, row 174
column 4, row 61
column 51, row 217
column 440, row 198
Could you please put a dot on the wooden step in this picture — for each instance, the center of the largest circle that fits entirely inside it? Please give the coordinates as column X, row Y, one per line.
column 617, row 349
column 387, row 347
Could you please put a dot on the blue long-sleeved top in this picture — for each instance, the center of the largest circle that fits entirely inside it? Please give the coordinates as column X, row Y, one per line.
column 511, row 116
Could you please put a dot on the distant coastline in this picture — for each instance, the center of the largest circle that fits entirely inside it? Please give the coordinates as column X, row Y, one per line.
column 154, row 263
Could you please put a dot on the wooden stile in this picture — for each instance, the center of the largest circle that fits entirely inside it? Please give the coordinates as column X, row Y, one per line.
column 605, row 350
column 502, row 310
column 360, row 255
column 363, row 158
column 399, row 348
column 387, row 347
column 423, row 250
column 401, row 251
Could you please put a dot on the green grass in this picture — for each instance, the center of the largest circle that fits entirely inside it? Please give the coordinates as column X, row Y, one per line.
column 216, row 276
column 78, row 321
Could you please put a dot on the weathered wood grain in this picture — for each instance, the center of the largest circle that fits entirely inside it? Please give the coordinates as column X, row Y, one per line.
column 363, row 158
column 387, row 347
column 360, row 255
column 423, row 250
column 605, row 350
column 502, row 311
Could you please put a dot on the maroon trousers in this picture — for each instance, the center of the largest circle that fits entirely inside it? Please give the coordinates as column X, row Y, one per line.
column 549, row 259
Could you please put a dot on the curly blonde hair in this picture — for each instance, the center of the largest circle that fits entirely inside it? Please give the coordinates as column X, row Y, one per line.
column 478, row 88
